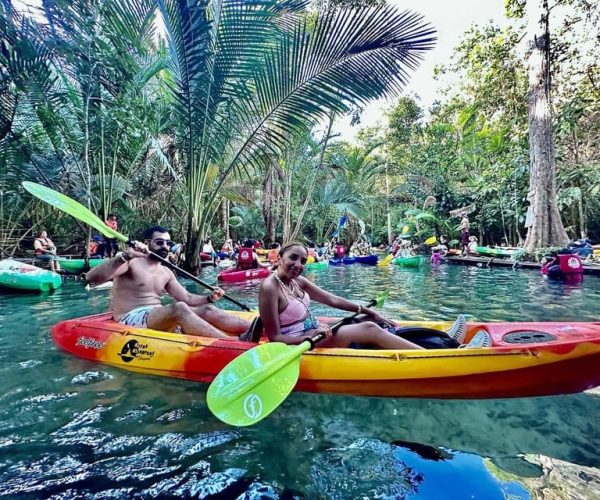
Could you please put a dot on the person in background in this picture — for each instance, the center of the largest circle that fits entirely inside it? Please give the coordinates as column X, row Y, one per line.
column 176, row 255
column 112, row 244
column 139, row 283
column 247, row 257
column 312, row 252
column 273, row 254
column 464, row 233
column 97, row 247
column 404, row 250
column 472, row 244
column 436, row 256
column 45, row 250
column 339, row 251
column 227, row 248
column 208, row 249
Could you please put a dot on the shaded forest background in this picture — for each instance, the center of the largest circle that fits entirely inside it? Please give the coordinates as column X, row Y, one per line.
column 221, row 124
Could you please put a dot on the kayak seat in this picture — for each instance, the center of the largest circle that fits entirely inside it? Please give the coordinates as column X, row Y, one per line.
column 254, row 332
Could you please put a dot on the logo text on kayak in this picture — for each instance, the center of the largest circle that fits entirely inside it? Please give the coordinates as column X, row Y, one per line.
column 135, row 350
column 90, row 343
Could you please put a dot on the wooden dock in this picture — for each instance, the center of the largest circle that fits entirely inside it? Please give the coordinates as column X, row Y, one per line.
column 499, row 262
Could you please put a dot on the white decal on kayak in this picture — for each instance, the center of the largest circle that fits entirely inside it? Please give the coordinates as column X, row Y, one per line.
column 253, row 406
column 89, row 343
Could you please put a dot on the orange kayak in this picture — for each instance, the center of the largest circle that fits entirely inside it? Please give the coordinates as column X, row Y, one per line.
column 526, row 359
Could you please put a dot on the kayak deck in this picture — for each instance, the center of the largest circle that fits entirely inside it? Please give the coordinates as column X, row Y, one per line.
column 527, row 359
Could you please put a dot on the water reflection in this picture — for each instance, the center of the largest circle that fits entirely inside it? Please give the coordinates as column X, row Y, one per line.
column 71, row 428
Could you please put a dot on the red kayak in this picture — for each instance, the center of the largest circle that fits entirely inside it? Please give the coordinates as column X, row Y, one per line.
column 234, row 275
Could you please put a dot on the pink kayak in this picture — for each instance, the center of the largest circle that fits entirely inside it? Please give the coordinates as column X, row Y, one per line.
column 233, row 275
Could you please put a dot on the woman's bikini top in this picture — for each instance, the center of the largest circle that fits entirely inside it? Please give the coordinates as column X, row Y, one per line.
column 292, row 318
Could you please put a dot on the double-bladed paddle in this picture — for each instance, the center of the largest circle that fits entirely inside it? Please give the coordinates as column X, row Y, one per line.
column 77, row 210
column 386, row 261
column 255, row 383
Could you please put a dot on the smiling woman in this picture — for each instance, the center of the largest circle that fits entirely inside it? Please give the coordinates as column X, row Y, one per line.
column 284, row 301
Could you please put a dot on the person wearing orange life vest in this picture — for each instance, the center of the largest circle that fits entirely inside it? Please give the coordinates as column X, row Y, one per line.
column 273, row 254
column 112, row 244
column 247, row 258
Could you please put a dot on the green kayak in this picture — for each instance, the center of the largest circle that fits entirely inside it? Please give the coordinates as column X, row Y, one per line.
column 76, row 266
column 313, row 266
column 414, row 261
column 495, row 251
column 19, row 276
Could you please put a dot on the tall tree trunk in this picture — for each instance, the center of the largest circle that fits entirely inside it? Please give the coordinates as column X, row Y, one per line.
column 287, row 207
column 311, row 188
column 580, row 208
column 388, row 213
column 546, row 227
column 269, row 208
column 225, row 218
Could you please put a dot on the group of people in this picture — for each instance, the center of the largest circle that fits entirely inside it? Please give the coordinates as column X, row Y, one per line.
column 284, row 302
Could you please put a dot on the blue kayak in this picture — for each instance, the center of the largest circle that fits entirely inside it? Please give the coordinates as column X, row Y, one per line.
column 348, row 260
column 369, row 260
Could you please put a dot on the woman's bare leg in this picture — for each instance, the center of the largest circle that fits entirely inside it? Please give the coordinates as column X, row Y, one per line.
column 367, row 333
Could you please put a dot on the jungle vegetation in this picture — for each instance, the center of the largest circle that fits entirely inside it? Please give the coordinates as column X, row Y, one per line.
column 217, row 118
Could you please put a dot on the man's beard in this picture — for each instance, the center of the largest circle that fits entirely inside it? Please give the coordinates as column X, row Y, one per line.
column 162, row 253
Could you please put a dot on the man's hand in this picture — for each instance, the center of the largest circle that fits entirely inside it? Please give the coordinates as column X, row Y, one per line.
column 216, row 294
column 137, row 249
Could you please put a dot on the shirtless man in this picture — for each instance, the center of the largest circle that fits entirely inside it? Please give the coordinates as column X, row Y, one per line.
column 140, row 280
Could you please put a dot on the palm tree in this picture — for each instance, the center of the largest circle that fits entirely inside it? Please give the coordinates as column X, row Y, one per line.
column 249, row 75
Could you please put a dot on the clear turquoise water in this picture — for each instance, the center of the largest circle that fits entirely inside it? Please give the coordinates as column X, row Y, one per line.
column 70, row 428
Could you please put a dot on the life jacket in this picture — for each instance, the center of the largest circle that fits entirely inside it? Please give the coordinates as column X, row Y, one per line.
column 245, row 258
column 340, row 251
column 570, row 264
column 273, row 255
column 45, row 245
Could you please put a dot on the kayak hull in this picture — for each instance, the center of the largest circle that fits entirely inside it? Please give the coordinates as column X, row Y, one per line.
column 415, row 261
column 233, row 276
column 16, row 275
column 495, row 252
column 565, row 364
column 369, row 260
column 77, row 266
column 314, row 266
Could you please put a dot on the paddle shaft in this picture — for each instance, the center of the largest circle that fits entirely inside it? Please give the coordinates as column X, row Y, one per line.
column 185, row 274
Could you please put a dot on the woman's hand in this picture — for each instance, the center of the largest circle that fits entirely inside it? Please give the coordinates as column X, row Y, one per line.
column 325, row 329
column 375, row 316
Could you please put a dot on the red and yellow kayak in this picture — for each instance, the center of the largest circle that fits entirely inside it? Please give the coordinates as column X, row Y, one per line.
column 527, row 359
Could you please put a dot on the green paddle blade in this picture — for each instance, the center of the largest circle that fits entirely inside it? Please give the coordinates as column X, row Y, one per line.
column 72, row 207
column 255, row 383
column 381, row 298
